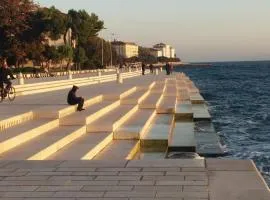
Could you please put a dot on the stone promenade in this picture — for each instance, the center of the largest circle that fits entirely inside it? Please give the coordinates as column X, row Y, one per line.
column 185, row 179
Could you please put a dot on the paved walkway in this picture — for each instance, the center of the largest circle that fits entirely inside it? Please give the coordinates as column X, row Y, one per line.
column 212, row 179
column 26, row 103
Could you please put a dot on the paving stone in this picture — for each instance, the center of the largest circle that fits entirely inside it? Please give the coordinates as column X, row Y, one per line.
column 18, row 188
column 131, row 194
column 194, row 169
column 36, row 170
column 58, row 188
column 229, row 165
column 33, row 164
column 224, row 185
column 145, row 173
column 85, row 169
column 12, row 174
column 186, row 173
column 109, row 173
column 167, row 178
column 49, row 173
column 78, row 194
column 168, row 163
column 135, row 169
column 27, row 178
column 107, row 188
column 157, row 188
column 109, row 178
column 181, row 183
column 196, row 178
column 93, row 163
column 136, row 183
column 188, row 188
column 165, row 169
column 72, row 178
column 182, row 194
column 28, row 194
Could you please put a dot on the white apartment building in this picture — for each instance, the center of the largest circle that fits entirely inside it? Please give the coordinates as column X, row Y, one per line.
column 165, row 50
column 126, row 49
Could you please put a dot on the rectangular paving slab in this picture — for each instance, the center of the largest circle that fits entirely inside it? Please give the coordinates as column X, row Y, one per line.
column 135, row 125
column 80, row 147
column 200, row 112
column 152, row 101
column 167, row 105
column 116, row 150
column 111, row 120
column 183, row 111
column 182, row 139
column 29, row 149
column 207, row 140
column 156, row 137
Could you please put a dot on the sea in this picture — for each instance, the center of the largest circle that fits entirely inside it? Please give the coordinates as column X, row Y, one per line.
column 238, row 97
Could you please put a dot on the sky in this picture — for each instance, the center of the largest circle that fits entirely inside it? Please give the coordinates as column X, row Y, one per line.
column 200, row 30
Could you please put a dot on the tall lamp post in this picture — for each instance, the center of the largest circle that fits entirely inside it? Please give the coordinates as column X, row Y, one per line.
column 102, row 48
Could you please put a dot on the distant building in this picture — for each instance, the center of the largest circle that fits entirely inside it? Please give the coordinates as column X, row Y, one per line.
column 165, row 50
column 126, row 49
column 64, row 39
column 155, row 52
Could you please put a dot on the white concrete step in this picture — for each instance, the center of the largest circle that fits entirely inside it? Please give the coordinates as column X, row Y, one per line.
column 113, row 119
column 86, row 147
column 183, row 111
column 158, row 88
column 156, row 137
column 114, row 95
column 196, row 99
column 152, row 101
column 207, row 140
column 182, row 138
column 60, row 111
column 135, row 98
column 171, row 82
column 90, row 114
column 183, row 95
column 22, row 133
column 116, row 150
column 135, row 126
column 167, row 105
column 200, row 112
column 7, row 121
column 170, row 91
column 45, row 145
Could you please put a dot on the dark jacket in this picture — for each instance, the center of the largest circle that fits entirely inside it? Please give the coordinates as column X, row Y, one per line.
column 72, row 98
column 4, row 73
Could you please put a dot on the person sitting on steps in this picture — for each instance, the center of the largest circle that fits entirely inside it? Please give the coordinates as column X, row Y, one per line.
column 5, row 76
column 72, row 99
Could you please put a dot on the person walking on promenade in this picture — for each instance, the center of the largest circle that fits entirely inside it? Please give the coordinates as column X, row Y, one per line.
column 72, row 99
column 5, row 76
column 167, row 68
column 171, row 68
column 151, row 67
column 143, row 68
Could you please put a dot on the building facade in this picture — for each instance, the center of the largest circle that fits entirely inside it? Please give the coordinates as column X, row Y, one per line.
column 126, row 49
column 165, row 50
column 63, row 40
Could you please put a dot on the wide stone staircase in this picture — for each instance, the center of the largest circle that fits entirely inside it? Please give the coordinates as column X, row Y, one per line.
column 142, row 121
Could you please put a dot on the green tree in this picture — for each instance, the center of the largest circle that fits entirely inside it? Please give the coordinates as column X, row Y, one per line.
column 80, row 57
column 83, row 25
column 66, row 55
column 13, row 22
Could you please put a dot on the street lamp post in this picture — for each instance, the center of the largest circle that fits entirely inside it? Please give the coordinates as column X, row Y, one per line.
column 102, row 48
